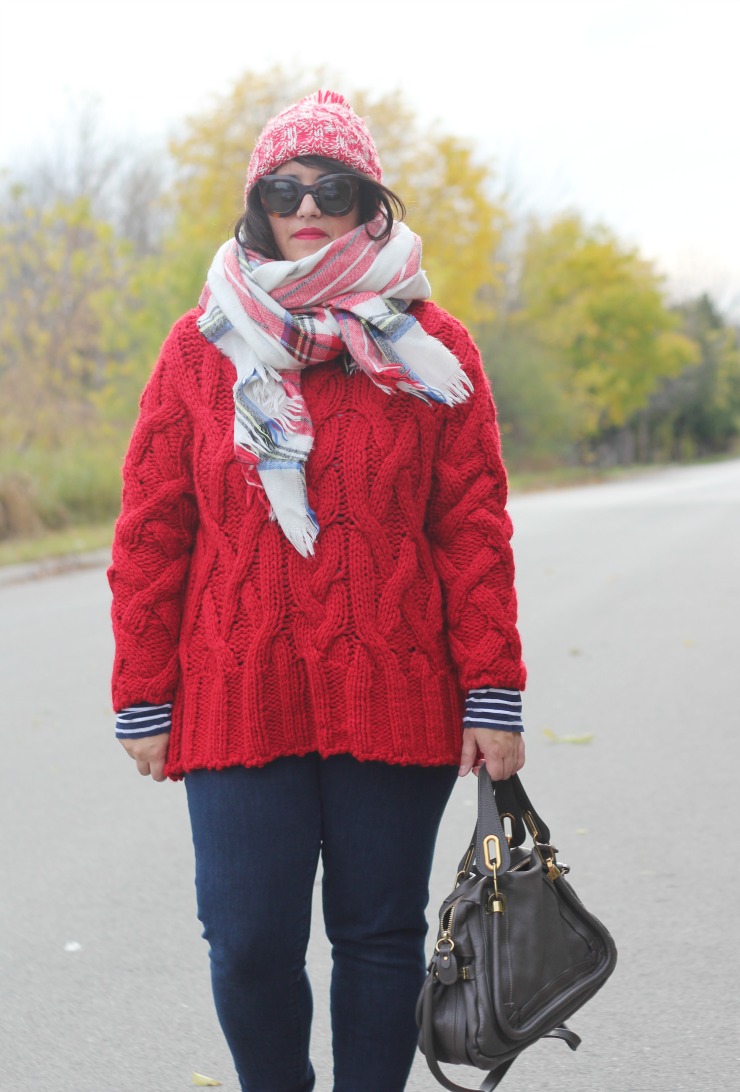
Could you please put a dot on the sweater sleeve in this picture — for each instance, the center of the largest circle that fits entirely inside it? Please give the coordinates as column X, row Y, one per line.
column 470, row 531
column 152, row 543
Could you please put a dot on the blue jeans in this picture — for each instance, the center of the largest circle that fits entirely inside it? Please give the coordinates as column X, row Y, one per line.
column 257, row 835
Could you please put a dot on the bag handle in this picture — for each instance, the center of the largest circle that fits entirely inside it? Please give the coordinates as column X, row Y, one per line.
column 508, row 808
column 494, row 799
column 495, row 1076
column 537, row 827
column 498, row 800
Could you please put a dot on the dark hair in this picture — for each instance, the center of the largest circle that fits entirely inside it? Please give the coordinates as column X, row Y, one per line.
column 253, row 227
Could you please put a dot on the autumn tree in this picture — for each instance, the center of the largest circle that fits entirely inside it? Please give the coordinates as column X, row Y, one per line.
column 103, row 246
column 77, row 224
column 698, row 411
column 539, row 423
column 599, row 307
column 62, row 277
column 450, row 194
column 453, row 202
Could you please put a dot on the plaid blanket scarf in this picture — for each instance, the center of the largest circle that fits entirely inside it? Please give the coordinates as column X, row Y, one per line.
column 274, row 318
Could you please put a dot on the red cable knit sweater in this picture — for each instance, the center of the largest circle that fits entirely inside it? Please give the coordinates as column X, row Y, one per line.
column 368, row 647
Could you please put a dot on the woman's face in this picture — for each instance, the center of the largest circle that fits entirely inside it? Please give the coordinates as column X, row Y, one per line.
column 308, row 229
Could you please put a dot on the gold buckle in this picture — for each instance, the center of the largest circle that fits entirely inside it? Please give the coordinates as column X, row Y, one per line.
column 506, row 815
column 545, row 850
column 496, row 903
column 464, row 871
column 547, row 854
column 531, row 825
column 492, row 863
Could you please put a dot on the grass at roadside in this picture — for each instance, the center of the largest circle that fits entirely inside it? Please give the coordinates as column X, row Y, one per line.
column 72, row 540
column 564, row 477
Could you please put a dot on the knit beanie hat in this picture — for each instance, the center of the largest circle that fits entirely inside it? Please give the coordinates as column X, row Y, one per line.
column 321, row 124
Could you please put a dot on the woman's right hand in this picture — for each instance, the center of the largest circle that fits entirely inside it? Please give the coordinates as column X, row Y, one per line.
column 502, row 753
column 149, row 754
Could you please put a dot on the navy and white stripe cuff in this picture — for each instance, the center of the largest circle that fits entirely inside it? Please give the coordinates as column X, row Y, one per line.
column 486, row 707
column 142, row 720
column 491, row 707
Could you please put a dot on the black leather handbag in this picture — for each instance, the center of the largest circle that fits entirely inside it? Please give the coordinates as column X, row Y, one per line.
column 517, row 951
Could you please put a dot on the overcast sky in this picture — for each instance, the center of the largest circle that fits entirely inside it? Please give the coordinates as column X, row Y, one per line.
column 627, row 111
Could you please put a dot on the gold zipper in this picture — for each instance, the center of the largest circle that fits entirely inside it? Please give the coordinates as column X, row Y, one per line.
column 445, row 921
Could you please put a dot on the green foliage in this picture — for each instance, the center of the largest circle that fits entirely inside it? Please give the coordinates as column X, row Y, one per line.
column 698, row 412
column 537, row 420
column 77, row 484
column 64, row 279
column 600, row 309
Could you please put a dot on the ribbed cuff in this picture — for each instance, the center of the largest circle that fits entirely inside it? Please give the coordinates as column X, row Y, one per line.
column 142, row 720
column 491, row 707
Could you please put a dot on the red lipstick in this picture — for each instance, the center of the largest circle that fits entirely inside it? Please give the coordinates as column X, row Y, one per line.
column 310, row 233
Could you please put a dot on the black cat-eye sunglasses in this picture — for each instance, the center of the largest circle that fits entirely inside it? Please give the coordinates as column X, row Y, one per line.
column 334, row 194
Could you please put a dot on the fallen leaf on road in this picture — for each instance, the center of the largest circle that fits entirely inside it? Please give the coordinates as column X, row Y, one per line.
column 198, row 1078
column 587, row 738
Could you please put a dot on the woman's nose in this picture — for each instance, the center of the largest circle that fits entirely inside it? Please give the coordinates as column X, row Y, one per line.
column 308, row 206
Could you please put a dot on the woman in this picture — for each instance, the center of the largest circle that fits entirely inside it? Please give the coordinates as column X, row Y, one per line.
column 313, row 599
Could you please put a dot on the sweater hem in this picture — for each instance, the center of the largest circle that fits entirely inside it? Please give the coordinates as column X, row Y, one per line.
column 177, row 770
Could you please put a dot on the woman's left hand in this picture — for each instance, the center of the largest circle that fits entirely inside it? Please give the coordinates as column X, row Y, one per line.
column 503, row 752
column 149, row 754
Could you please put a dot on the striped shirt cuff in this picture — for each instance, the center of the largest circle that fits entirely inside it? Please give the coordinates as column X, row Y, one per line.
column 142, row 720
column 490, row 707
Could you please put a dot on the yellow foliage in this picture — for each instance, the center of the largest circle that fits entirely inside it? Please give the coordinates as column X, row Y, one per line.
column 448, row 193
column 601, row 308
column 58, row 268
column 451, row 203
column 213, row 153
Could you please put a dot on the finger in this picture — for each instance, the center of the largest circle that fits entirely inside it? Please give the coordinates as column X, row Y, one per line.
column 468, row 754
column 520, row 756
column 512, row 758
column 143, row 767
column 159, row 761
column 500, row 765
column 495, row 767
column 157, row 771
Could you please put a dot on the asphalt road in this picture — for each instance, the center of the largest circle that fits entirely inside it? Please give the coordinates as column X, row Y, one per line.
column 630, row 597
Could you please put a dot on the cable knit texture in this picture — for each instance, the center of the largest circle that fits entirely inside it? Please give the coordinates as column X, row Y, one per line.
column 366, row 648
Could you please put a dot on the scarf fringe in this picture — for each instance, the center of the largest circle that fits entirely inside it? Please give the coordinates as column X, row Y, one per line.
column 286, row 488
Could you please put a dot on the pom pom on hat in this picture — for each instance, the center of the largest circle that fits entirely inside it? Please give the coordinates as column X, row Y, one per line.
column 321, row 124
